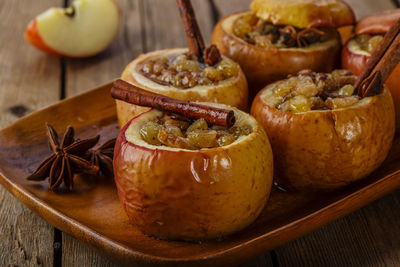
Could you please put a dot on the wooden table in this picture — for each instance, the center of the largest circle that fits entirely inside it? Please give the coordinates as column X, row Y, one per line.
column 30, row 80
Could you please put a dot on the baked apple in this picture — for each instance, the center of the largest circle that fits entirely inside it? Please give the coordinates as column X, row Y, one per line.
column 184, row 179
column 369, row 33
column 194, row 74
column 281, row 37
column 322, row 134
column 176, row 73
column 82, row 30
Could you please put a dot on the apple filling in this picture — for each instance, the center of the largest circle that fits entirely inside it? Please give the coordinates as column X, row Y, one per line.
column 184, row 71
column 179, row 132
column 313, row 91
column 365, row 43
column 264, row 34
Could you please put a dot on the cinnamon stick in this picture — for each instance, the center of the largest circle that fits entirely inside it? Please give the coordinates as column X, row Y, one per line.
column 193, row 35
column 132, row 94
column 381, row 64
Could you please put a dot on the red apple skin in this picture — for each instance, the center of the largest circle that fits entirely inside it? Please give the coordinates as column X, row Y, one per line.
column 174, row 194
column 357, row 62
column 352, row 61
column 33, row 37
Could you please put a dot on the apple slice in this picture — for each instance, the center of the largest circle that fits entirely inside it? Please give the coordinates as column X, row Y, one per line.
column 82, row 30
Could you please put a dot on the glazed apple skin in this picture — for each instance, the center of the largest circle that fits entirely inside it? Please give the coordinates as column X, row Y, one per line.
column 263, row 66
column 355, row 62
column 325, row 150
column 304, row 13
column 233, row 93
column 193, row 195
column 377, row 23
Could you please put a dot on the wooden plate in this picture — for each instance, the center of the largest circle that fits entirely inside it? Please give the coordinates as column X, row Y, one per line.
column 92, row 212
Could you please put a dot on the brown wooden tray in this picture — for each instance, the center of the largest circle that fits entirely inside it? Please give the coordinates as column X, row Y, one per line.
column 92, row 212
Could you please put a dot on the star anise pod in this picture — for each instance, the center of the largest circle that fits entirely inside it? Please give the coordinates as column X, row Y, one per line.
column 103, row 157
column 308, row 36
column 288, row 35
column 66, row 160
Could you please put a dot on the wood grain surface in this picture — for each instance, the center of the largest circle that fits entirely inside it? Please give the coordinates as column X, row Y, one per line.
column 368, row 237
column 23, row 89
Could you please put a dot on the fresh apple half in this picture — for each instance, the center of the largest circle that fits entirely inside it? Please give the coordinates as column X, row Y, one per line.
column 232, row 91
column 326, row 149
column 173, row 193
column 82, row 30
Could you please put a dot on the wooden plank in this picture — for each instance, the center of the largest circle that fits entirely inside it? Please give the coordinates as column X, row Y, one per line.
column 366, row 7
column 84, row 74
column 367, row 237
column 228, row 7
column 260, row 261
column 162, row 23
column 29, row 80
column 76, row 254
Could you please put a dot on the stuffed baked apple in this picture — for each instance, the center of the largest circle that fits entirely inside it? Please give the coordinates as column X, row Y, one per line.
column 194, row 74
column 323, row 135
column 184, row 178
column 281, row 37
column 175, row 73
column 369, row 33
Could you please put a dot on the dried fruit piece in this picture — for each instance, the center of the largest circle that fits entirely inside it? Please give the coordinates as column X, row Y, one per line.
column 347, row 90
column 149, row 132
column 373, row 43
column 199, row 124
column 335, row 103
column 297, row 104
column 203, row 138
